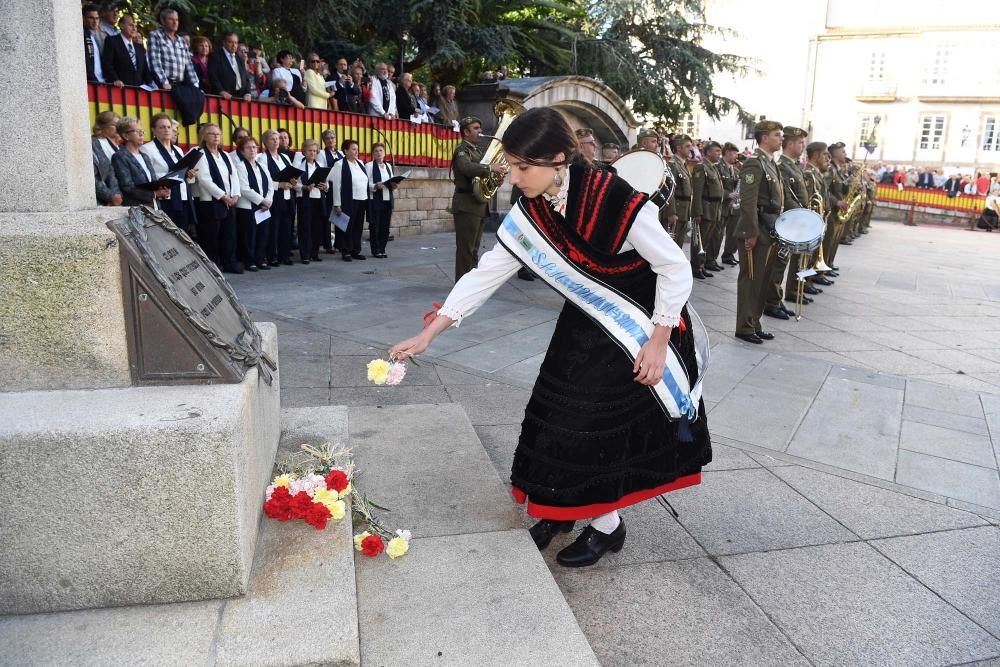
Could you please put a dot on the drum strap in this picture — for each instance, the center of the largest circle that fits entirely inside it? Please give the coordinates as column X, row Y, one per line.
column 620, row 317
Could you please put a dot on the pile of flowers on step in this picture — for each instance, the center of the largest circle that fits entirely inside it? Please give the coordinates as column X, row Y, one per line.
column 316, row 485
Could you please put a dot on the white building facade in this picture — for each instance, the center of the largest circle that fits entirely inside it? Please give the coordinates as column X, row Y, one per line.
column 923, row 73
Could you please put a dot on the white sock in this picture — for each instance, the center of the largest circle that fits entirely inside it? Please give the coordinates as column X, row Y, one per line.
column 606, row 523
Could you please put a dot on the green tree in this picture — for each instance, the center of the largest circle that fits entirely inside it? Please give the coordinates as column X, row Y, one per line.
column 651, row 52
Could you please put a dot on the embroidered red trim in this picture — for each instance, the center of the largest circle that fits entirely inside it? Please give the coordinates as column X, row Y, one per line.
column 597, row 509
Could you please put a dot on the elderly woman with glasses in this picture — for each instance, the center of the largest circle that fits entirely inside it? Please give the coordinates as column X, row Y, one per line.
column 132, row 166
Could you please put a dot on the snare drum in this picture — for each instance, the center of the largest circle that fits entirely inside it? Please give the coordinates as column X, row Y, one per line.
column 800, row 230
column 647, row 172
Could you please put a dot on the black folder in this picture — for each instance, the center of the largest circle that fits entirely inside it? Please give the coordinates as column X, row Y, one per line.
column 318, row 176
column 189, row 161
column 287, row 174
column 167, row 181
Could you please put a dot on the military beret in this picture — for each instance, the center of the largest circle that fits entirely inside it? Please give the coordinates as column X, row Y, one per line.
column 730, row 147
column 584, row 132
column 712, row 144
column 611, row 145
column 815, row 147
column 794, row 132
column 467, row 121
column 835, row 146
column 765, row 126
column 647, row 132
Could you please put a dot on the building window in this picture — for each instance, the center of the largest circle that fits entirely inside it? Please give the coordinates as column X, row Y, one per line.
column 936, row 72
column 931, row 132
column 876, row 67
column 991, row 134
column 687, row 124
column 868, row 123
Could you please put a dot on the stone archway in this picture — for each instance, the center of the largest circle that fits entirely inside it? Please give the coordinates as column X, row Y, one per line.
column 584, row 101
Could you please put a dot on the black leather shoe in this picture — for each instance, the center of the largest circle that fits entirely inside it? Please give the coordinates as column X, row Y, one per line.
column 822, row 280
column 275, row 263
column 357, row 255
column 763, row 335
column 778, row 313
column 831, row 274
column 714, row 266
column 317, row 258
column 543, row 531
column 846, row 242
column 835, row 268
column 329, row 251
column 790, row 313
column 379, row 255
column 700, row 275
column 525, row 274
column 252, row 269
column 591, row 545
column 807, row 300
column 750, row 338
column 809, row 289
column 305, row 261
column 707, row 274
column 288, row 262
column 731, row 261
column 263, row 267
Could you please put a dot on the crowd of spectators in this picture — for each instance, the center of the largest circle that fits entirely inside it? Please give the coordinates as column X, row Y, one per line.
column 954, row 183
column 116, row 52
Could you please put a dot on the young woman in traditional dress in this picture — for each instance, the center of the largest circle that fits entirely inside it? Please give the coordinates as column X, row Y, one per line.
column 615, row 416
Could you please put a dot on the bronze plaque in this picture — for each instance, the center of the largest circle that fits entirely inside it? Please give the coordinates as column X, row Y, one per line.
column 186, row 324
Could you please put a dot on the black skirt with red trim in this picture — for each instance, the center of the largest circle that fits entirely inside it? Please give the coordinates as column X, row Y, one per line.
column 593, row 440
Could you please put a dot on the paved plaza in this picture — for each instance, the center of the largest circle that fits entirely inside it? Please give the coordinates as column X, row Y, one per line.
column 851, row 513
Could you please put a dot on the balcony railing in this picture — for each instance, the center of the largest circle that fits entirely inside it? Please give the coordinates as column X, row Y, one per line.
column 877, row 90
column 410, row 144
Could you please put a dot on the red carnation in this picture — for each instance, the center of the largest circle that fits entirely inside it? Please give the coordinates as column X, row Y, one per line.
column 317, row 516
column 300, row 505
column 336, row 480
column 279, row 506
column 372, row 546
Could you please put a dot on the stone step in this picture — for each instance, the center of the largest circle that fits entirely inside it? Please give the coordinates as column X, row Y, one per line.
column 473, row 590
column 300, row 608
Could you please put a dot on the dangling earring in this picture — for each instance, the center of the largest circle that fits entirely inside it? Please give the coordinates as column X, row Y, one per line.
column 557, row 180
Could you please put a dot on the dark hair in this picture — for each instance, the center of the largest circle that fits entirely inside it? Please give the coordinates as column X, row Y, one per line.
column 677, row 140
column 347, row 144
column 244, row 141
column 235, row 132
column 712, row 144
column 91, row 7
column 284, row 53
column 538, row 135
column 227, row 33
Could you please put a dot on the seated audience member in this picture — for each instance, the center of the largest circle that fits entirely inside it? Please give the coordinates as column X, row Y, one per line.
column 218, row 193
column 104, row 145
column 256, row 193
column 133, row 168
column 124, row 58
column 279, row 94
column 163, row 154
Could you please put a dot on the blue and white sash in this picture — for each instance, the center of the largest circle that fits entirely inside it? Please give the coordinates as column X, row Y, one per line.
column 619, row 316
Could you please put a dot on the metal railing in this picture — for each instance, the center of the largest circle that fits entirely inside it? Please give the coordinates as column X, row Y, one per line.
column 411, row 144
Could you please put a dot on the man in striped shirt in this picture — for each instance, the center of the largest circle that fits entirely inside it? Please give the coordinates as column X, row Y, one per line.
column 169, row 56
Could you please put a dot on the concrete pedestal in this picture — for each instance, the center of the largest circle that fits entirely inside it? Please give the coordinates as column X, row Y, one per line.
column 136, row 495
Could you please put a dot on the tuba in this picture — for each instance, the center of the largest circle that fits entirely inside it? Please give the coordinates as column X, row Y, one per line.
column 485, row 187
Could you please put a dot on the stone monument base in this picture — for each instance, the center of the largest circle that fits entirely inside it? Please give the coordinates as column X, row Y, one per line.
column 137, row 495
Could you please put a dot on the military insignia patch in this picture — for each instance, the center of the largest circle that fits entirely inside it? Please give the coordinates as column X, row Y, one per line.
column 748, row 179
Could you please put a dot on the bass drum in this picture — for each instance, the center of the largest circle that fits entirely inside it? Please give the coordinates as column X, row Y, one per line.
column 648, row 173
column 799, row 229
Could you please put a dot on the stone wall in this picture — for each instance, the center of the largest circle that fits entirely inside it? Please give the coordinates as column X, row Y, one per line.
column 423, row 203
column 922, row 215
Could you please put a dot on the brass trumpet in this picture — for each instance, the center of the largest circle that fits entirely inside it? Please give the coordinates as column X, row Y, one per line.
column 485, row 187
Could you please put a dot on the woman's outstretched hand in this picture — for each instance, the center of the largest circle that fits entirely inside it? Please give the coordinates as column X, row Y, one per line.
column 652, row 357
column 408, row 348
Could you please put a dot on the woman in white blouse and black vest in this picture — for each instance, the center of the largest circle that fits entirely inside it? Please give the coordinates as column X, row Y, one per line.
column 350, row 196
column 256, row 193
column 279, row 245
column 382, row 194
column 163, row 154
column 312, row 205
column 218, row 192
